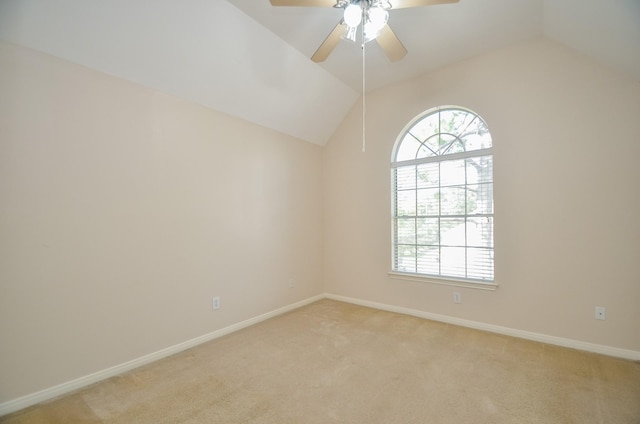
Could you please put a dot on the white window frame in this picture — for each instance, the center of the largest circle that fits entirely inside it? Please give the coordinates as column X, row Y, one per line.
column 438, row 278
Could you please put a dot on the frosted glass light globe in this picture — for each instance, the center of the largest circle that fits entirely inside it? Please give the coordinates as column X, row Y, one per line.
column 378, row 18
column 352, row 15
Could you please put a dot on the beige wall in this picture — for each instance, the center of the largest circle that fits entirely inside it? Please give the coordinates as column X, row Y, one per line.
column 566, row 137
column 123, row 211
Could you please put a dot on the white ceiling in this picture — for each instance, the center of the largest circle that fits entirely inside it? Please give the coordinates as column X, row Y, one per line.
column 251, row 60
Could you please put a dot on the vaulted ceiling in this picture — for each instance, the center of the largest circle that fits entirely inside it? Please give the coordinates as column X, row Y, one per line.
column 251, row 60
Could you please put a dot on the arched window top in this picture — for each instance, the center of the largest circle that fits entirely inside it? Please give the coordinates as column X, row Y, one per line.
column 445, row 130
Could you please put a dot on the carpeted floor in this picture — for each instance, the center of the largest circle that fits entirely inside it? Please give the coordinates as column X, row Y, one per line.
column 332, row 362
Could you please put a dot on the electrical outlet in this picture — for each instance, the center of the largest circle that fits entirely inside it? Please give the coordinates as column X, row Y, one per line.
column 216, row 303
column 601, row 312
column 292, row 282
column 457, row 297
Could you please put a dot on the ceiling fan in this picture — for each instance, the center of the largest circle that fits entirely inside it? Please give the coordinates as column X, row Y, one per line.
column 373, row 14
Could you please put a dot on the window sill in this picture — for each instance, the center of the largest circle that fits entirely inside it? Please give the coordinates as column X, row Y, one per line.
column 443, row 281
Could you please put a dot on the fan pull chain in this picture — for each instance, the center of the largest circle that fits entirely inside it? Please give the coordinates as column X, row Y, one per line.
column 364, row 108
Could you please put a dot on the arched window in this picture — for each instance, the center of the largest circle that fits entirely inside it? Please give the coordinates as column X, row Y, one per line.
column 442, row 183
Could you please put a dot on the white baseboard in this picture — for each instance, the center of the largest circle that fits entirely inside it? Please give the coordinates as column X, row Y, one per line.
column 558, row 341
column 64, row 388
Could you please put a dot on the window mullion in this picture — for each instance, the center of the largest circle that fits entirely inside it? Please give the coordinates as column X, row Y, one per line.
column 439, row 219
column 415, row 218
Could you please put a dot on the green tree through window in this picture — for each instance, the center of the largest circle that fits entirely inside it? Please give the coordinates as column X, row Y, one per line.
column 442, row 170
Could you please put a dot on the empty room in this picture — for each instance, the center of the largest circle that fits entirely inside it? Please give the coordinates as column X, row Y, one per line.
column 319, row 211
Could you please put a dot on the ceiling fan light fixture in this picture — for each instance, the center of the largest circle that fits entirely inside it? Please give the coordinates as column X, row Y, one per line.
column 373, row 13
column 353, row 15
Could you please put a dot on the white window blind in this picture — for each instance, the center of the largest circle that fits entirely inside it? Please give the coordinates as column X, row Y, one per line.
column 442, row 173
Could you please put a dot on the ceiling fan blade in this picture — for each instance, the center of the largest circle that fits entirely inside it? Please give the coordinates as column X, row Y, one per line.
column 329, row 43
column 391, row 45
column 310, row 3
column 402, row 4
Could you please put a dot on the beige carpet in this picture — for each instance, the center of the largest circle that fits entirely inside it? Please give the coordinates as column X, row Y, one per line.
column 332, row 362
